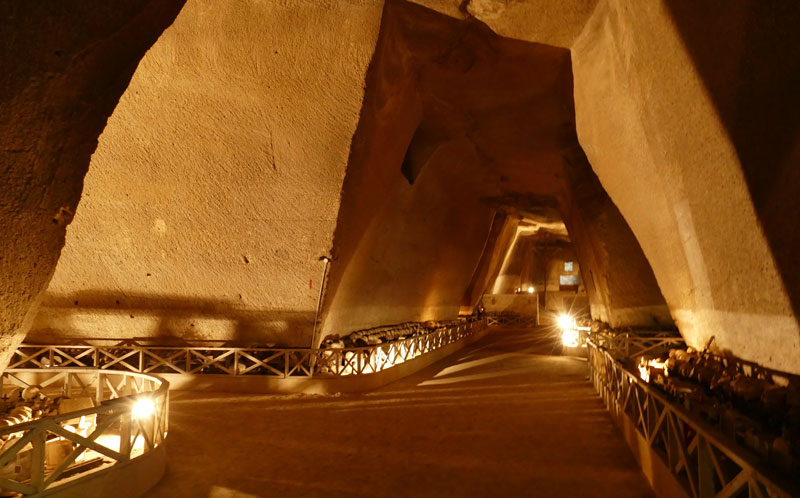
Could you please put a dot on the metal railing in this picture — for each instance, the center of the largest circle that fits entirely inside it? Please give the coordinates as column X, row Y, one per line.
column 704, row 461
column 274, row 362
column 510, row 320
column 127, row 419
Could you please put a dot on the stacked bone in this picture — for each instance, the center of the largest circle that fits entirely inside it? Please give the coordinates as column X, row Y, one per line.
column 759, row 408
column 380, row 335
column 24, row 405
column 387, row 333
column 329, row 360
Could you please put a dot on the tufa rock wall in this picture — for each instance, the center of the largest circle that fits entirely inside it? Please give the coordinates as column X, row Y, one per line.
column 65, row 65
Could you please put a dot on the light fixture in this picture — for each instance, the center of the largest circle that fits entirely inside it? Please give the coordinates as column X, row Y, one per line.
column 570, row 338
column 566, row 322
column 571, row 332
column 143, row 408
column 530, row 290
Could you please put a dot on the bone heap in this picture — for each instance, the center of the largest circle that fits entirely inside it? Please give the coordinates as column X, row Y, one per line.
column 757, row 407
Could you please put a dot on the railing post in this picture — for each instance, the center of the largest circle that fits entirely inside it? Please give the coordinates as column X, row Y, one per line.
column 68, row 385
column 705, row 470
column 627, row 345
column 98, row 395
column 37, row 458
column 672, row 443
column 164, row 427
column 125, row 422
column 652, row 417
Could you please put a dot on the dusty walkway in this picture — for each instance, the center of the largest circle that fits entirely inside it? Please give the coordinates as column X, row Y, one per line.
column 500, row 418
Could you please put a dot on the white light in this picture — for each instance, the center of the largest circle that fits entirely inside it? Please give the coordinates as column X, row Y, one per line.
column 530, row 290
column 570, row 338
column 143, row 408
column 566, row 322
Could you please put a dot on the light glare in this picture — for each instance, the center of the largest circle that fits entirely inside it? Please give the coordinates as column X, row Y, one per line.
column 566, row 322
column 143, row 408
column 570, row 338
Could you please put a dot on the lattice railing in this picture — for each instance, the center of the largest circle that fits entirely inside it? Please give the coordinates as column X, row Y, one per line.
column 275, row 362
column 628, row 345
column 510, row 320
column 704, row 461
column 43, row 455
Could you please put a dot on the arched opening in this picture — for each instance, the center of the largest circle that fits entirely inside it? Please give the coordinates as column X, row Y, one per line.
column 491, row 119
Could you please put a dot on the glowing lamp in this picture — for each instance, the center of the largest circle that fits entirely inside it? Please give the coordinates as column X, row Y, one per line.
column 530, row 290
column 143, row 408
column 570, row 338
column 566, row 322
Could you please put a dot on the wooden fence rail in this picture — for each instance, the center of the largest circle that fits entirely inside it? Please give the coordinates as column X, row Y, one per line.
column 510, row 320
column 275, row 362
column 45, row 454
column 704, row 461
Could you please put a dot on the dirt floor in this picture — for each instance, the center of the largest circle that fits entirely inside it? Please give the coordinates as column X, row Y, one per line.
column 502, row 417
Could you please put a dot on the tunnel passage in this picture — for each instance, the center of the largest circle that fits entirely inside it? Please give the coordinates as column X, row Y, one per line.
column 538, row 275
column 270, row 112
column 458, row 128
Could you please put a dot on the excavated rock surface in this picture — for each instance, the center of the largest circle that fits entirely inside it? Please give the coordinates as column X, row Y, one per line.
column 215, row 187
column 669, row 103
column 454, row 118
column 64, row 66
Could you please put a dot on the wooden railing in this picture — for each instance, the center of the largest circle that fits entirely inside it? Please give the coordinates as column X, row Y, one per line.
column 704, row 461
column 630, row 344
column 510, row 320
column 274, row 362
column 127, row 419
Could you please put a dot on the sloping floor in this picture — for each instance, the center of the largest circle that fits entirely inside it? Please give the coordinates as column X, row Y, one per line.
column 502, row 417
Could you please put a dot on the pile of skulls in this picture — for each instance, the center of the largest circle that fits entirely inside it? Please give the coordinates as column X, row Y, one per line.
column 23, row 405
column 384, row 334
column 758, row 408
column 331, row 360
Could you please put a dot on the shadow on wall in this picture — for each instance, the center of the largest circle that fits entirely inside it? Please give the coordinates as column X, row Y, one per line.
column 169, row 320
column 748, row 56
